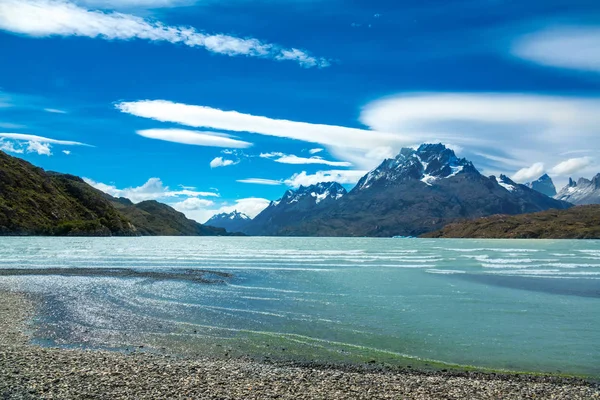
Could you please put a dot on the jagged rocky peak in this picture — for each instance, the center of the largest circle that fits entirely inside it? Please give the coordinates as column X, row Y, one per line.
column 584, row 191
column 544, row 185
column 317, row 193
column 428, row 163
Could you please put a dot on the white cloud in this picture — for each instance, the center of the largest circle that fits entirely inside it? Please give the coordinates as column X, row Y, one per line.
column 42, row 149
column 207, row 117
column 54, row 111
column 529, row 173
column 220, row 162
column 292, row 159
column 565, row 47
column 251, row 206
column 339, row 176
column 571, row 165
column 67, row 152
column 260, row 181
column 11, row 147
column 193, row 203
column 271, row 155
column 153, row 189
column 529, row 128
column 43, row 18
column 183, row 136
column 315, row 151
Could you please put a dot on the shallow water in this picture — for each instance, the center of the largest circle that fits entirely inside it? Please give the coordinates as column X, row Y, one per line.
column 509, row 304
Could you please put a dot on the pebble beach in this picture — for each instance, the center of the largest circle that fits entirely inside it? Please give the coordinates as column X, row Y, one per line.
column 29, row 371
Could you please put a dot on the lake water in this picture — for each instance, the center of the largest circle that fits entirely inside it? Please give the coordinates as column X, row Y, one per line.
column 508, row 304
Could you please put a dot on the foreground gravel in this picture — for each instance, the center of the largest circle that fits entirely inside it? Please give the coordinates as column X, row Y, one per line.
column 32, row 372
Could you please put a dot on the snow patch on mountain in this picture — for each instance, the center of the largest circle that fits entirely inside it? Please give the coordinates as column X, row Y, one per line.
column 503, row 181
column 428, row 164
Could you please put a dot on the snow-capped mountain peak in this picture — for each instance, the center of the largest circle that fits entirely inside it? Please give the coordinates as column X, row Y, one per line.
column 428, row 163
column 233, row 221
column 584, row 191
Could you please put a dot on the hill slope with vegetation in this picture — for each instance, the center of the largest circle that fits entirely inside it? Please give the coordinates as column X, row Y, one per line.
column 36, row 202
column 581, row 222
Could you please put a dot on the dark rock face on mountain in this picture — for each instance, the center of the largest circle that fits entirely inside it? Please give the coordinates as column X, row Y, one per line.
column 294, row 207
column 233, row 222
column 544, row 185
column 584, row 191
column 36, row 202
column 581, row 222
column 419, row 191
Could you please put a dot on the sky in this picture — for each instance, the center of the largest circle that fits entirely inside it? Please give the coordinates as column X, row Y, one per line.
column 216, row 105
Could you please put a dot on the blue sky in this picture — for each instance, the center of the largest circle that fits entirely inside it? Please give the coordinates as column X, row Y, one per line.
column 214, row 105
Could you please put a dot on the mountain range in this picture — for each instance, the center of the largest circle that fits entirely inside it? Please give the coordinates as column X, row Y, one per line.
column 418, row 191
column 584, row 191
column 36, row 202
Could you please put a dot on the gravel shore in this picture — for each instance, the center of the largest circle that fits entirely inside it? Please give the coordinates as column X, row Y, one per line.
column 31, row 372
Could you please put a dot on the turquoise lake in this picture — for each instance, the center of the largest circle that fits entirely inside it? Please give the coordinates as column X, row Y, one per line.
column 523, row 305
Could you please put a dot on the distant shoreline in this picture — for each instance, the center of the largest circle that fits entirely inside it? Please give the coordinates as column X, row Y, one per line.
column 30, row 371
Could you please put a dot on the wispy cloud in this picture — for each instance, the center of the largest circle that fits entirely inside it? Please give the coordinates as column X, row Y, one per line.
column 10, row 125
column 221, row 162
column 562, row 47
column 54, row 111
column 260, row 181
column 184, row 136
column 339, row 176
column 67, row 152
column 571, row 165
column 315, row 151
column 153, row 189
column 20, row 143
column 529, row 173
column 43, row 18
column 293, row 159
column 41, row 139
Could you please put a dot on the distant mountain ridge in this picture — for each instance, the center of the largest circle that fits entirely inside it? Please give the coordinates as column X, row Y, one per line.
column 416, row 192
column 544, row 184
column 582, row 192
column 36, row 202
column 234, row 221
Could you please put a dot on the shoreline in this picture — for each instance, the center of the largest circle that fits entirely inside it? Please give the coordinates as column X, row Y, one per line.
column 28, row 371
